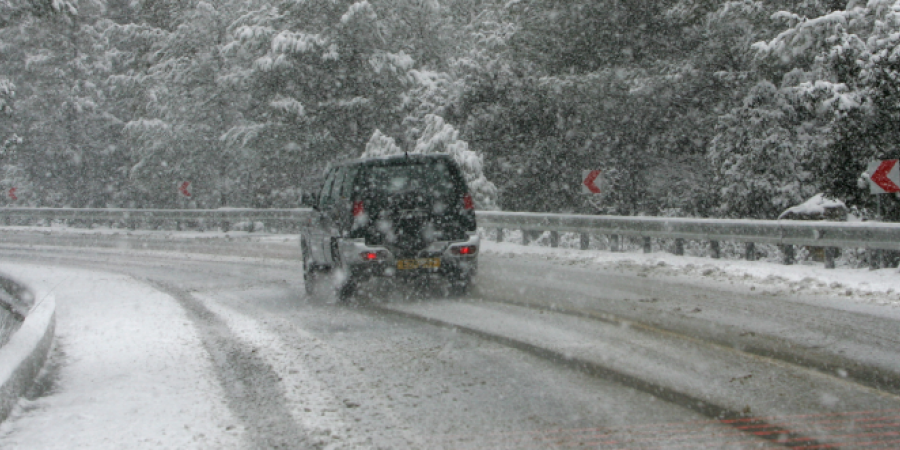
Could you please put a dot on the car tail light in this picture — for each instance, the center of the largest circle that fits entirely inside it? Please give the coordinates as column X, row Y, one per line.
column 380, row 255
column 468, row 203
column 358, row 208
column 465, row 250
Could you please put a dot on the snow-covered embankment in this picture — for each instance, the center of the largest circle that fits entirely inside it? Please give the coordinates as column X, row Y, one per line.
column 22, row 357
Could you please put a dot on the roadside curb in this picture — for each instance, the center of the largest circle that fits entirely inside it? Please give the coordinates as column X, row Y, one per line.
column 22, row 358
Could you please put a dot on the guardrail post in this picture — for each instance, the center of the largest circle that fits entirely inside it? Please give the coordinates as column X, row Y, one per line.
column 585, row 241
column 750, row 251
column 787, row 251
column 614, row 242
column 525, row 237
column 715, row 252
column 499, row 234
column 876, row 258
column 679, row 247
column 830, row 253
column 554, row 239
column 648, row 244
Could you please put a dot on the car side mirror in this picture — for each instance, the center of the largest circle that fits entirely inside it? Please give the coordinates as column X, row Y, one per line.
column 310, row 200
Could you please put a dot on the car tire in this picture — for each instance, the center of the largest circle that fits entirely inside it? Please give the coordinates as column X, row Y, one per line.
column 346, row 288
column 460, row 287
column 310, row 279
column 311, row 270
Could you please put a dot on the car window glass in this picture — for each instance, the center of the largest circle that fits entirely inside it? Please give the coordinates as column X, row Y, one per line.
column 326, row 189
column 336, row 186
column 434, row 178
column 349, row 178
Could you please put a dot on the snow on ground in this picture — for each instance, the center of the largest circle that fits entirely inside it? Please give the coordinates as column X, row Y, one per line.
column 850, row 285
column 118, row 341
column 132, row 372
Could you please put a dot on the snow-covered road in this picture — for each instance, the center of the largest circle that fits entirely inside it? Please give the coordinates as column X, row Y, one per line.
column 554, row 350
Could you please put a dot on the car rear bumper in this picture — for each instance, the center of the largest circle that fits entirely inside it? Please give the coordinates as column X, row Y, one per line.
column 450, row 264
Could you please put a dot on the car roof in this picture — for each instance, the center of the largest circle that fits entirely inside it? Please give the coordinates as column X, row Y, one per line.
column 397, row 159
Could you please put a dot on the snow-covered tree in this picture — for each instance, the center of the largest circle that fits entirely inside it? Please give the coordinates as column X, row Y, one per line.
column 847, row 60
column 14, row 11
column 164, row 61
column 764, row 155
column 321, row 76
column 248, row 100
column 63, row 130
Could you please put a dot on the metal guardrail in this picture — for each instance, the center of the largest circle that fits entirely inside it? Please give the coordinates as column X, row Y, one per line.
column 870, row 235
column 874, row 235
column 139, row 218
column 830, row 236
column 122, row 214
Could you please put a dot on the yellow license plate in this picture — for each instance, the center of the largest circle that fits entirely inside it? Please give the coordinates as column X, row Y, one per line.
column 420, row 263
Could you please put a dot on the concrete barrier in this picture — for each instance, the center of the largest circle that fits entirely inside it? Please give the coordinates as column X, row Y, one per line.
column 23, row 356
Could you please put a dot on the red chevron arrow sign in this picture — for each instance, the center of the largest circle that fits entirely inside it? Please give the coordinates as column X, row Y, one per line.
column 884, row 176
column 184, row 189
column 590, row 182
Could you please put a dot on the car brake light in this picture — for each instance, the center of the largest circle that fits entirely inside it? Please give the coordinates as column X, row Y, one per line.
column 358, row 208
column 379, row 255
column 465, row 250
column 468, row 203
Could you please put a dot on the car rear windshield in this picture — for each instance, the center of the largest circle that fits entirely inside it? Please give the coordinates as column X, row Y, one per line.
column 438, row 178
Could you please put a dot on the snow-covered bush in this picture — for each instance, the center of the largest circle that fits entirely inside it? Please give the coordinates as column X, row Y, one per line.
column 380, row 145
column 817, row 207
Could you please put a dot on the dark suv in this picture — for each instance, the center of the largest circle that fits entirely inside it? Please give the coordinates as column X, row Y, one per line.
column 398, row 216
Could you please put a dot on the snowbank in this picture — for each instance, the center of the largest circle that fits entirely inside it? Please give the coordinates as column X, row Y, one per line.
column 23, row 356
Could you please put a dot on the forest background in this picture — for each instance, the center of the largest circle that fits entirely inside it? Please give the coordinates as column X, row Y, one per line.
column 702, row 108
